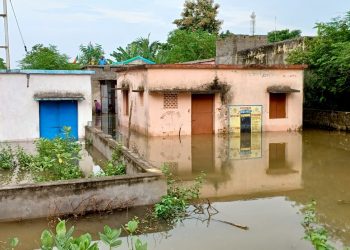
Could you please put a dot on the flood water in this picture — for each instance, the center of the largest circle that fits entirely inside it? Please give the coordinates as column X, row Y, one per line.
column 260, row 181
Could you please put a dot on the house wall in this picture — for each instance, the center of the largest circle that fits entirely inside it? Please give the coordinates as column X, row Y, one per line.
column 19, row 112
column 246, row 87
column 140, row 105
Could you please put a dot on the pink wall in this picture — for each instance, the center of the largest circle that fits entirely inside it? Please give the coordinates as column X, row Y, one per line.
column 248, row 87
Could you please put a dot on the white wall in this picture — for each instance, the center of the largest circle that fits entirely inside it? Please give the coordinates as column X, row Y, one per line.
column 19, row 112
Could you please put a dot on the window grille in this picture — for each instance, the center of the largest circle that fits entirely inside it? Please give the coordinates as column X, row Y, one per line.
column 170, row 101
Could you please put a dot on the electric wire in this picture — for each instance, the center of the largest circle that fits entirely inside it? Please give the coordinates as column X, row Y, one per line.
column 19, row 29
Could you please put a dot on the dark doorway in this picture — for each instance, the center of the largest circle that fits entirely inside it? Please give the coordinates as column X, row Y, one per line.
column 108, row 96
column 246, row 123
column 202, row 114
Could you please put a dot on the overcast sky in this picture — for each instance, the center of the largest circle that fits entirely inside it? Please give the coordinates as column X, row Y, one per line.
column 113, row 23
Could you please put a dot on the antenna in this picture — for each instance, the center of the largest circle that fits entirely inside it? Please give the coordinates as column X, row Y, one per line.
column 252, row 23
column 6, row 46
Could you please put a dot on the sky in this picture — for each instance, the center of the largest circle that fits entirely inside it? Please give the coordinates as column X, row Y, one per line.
column 114, row 23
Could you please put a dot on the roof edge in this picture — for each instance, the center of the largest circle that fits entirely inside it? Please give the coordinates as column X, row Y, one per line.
column 47, row 72
column 214, row 66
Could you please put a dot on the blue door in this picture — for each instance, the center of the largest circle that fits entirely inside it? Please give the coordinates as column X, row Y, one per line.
column 54, row 115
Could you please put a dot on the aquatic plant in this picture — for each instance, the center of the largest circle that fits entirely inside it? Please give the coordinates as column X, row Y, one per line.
column 63, row 239
column 7, row 160
column 315, row 233
column 173, row 205
column 115, row 166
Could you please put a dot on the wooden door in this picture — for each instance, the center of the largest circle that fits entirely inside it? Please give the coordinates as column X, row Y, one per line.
column 202, row 114
column 277, row 106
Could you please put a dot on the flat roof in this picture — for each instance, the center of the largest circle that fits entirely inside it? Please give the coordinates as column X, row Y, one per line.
column 213, row 66
column 47, row 72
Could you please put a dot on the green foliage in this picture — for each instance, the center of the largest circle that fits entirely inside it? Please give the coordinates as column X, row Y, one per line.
column 2, row 64
column 328, row 83
column 225, row 34
column 183, row 46
column 173, row 205
column 23, row 159
column 281, row 35
column 41, row 57
column 199, row 15
column 90, row 54
column 110, row 237
column 115, row 166
column 140, row 47
column 63, row 239
column 314, row 233
column 57, row 159
column 7, row 160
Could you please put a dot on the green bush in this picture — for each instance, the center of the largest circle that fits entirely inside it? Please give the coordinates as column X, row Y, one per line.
column 115, row 166
column 7, row 159
column 174, row 205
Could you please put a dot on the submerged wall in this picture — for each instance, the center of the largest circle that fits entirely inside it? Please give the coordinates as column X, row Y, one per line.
column 338, row 120
column 142, row 185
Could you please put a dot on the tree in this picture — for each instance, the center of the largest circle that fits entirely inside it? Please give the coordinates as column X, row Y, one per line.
column 140, row 47
column 41, row 57
column 199, row 15
column 281, row 35
column 90, row 54
column 328, row 55
column 183, row 45
column 2, row 64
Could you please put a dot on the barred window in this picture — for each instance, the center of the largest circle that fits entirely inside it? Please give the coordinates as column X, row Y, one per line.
column 170, row 101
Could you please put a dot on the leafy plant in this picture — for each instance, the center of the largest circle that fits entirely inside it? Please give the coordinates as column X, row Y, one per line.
column 173, row 205
column 115, row 166
column 24, row 160
column 111, row 237
column 7, row 160
column 316, row 234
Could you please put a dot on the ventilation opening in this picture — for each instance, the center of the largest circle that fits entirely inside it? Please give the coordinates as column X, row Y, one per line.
column 170, row 101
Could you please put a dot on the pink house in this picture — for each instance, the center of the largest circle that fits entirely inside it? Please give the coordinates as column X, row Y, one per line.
column 185, row 99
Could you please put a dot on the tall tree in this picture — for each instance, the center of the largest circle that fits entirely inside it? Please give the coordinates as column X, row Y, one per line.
column 328, row 81
column 2, row 64
column 199, row 15
column 140, row 47
column 281, row 35
column 41, row 57
column 183, row 46
column 90, row 54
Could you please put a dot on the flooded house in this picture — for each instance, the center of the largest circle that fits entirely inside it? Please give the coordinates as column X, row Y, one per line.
column 188, row 99
column 39, row 103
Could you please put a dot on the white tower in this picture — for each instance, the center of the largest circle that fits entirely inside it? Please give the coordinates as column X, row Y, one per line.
column 252, row 23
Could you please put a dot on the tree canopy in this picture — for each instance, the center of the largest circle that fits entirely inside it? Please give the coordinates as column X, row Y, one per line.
column 90, row 54
column 2, row 64
column 328, row 55
column 183, row 45
column 140, row 47
column 41, row 57
column 281, row 35
column 199, row 15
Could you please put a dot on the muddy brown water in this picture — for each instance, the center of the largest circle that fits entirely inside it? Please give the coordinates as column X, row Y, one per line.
column 259, row 181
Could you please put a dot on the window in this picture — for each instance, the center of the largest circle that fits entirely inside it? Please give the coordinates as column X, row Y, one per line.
column 126, row 102
column 277, row 106
column 170, row 101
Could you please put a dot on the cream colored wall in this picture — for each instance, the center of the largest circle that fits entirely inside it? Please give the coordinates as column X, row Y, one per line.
column 19, row 112
column 247, row 87
column 134, row 79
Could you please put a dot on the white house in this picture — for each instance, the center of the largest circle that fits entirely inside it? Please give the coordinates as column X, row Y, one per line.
column 38, row 103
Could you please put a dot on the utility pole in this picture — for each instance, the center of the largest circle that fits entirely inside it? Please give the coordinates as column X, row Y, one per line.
column 6, row 46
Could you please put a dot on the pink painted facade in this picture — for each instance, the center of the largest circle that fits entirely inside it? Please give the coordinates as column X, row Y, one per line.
column 147, row 86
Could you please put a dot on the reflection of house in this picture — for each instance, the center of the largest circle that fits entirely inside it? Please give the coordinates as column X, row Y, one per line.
column 38, row 103
column 263, row 163
column 198, row 99
column 105, row 80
